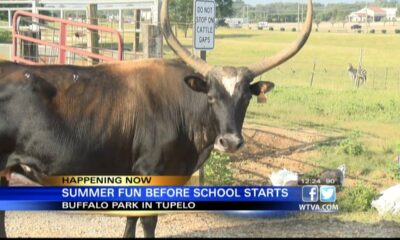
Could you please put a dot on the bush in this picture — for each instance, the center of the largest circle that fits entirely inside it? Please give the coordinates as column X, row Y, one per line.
column 372, row 31
column 316, row 29
column 282, row 29
column 271, row 28
column 359, row 31
column 5, row 36
column 384, row 31
column 394, row 170
column 357, row 198
column 216, row 170
column 351, row 146
column 397, row 31
column 294, row 29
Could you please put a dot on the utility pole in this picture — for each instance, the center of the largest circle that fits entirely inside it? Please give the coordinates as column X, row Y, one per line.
column 366, row 17
column 248, row 20
column 298, row 15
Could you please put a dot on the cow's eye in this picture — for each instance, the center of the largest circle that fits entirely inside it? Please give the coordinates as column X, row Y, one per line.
column 211, row 99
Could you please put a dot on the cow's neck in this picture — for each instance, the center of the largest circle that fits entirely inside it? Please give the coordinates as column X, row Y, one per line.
column 201, row 120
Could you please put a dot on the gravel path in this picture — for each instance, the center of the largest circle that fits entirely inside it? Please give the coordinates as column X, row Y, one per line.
column 51, row 224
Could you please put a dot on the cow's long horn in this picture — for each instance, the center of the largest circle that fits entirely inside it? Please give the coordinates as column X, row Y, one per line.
column 193, row 61
column 281, row 57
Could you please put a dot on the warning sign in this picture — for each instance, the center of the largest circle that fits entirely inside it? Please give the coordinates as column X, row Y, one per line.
column 204, row 24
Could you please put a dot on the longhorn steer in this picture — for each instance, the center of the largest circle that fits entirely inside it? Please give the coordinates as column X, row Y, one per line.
column 148, row 117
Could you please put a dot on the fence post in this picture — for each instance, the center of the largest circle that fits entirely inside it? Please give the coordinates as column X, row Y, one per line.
column 152, row 41
column 386, row 77
column 358, row 74
column 137, row 30
column 93, row 39
column 63, row 42
column 312, row 74
column 398, row 81
column 373, row 80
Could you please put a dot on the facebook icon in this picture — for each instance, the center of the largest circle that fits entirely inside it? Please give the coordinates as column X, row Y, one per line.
column 310, row 194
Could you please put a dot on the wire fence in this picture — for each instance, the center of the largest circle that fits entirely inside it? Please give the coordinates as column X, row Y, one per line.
column 316, row 74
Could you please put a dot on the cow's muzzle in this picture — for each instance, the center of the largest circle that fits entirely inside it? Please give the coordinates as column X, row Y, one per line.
column 228, row 143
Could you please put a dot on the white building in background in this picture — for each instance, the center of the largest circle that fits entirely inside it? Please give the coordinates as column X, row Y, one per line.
column 236, row 22
column 373, row 14
column 391, row 13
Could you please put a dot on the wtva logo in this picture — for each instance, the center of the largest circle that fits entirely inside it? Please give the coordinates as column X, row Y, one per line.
column 326, row 194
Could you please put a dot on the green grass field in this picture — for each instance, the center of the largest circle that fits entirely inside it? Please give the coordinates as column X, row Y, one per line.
column 331, row 51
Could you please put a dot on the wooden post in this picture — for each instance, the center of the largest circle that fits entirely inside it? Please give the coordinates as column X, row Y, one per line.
column 398, row 81
column 203, row 55
column 373, row 80
column 358, row 74
column 386, row 77
column 93, row 38
column 152, row 41
column 312, row 74
column 137, row 30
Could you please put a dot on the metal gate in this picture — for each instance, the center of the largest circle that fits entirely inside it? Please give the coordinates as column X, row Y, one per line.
column 40, row 39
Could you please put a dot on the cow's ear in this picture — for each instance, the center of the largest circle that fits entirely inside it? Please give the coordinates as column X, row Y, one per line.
column 41, row 86
column 196, row 83
column 261, row 87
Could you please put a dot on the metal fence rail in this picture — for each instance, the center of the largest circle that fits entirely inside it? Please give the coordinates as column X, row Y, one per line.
column 42, row 39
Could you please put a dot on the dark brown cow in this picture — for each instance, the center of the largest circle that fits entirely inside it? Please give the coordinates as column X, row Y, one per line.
column 148, row 117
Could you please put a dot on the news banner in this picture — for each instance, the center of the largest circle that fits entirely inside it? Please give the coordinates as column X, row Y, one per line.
column 131, row 195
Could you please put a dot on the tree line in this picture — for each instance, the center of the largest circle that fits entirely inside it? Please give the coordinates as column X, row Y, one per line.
column 292, row 12
column 181, row 11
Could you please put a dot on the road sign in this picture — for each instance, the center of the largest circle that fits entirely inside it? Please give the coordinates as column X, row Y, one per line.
column 204, row 24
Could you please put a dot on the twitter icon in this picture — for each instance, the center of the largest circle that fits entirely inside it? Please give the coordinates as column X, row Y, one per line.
column 327, row 194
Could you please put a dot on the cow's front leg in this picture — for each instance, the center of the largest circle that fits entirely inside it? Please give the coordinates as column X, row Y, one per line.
column 130, row 227
column 149, row 226
column 3, row 183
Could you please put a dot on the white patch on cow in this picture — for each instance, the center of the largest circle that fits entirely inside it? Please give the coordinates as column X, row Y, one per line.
column 229, row 84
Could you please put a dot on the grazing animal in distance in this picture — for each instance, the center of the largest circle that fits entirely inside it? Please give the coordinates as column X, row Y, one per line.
column 358, row 77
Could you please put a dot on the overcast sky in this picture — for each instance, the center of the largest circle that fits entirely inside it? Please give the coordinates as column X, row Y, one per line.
column 254, row 2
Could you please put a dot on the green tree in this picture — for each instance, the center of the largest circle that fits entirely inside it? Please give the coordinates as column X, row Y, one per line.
column 224, row 8
column 181, row 15
column 4, row 14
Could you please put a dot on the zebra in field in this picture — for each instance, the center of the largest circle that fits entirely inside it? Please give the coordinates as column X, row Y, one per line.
column 358, row 77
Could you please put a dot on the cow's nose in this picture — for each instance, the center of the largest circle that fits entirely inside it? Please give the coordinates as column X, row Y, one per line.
column 229, row 143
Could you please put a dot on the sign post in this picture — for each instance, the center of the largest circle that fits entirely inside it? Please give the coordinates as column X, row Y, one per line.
column 203, row 36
